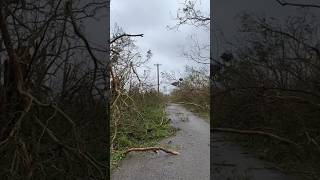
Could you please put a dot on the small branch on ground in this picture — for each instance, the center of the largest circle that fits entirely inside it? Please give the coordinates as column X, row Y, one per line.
column 152, row 149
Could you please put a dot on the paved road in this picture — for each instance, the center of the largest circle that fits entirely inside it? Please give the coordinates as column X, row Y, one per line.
column 192, row 141
column 231, row 162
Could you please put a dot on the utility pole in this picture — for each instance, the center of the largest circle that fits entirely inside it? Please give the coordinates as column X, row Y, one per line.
column 158, row 76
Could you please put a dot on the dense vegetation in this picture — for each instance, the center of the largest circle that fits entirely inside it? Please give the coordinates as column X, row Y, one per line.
column 269, row 82
column 53, row 82
column 193, row 91
column 139, row 121
column 138, row 117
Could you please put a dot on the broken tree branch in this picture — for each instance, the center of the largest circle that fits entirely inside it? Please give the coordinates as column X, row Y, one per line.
column 123, row 35
column 88, row 47
column 152, row 149
column 285, row 3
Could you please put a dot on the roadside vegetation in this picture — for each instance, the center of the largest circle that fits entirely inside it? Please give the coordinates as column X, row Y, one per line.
column 138, row 122
column 265, row 84
column 138, row 117
column 193, row 91
column 52, row 90
column 266, row 87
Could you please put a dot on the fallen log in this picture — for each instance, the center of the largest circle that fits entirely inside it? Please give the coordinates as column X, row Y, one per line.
column 252, row 132
column 152, row 149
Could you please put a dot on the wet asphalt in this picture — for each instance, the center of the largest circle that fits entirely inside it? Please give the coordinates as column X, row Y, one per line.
column 229, row 161
column 192, row 141
column 232, row 162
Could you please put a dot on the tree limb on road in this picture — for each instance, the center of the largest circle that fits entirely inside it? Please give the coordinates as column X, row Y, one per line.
column 152, row 149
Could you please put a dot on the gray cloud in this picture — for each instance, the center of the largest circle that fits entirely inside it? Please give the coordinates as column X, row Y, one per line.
column 151, row 17
column 225, row 13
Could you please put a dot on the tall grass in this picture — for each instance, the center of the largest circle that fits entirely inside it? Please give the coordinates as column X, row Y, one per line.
column 138, row 120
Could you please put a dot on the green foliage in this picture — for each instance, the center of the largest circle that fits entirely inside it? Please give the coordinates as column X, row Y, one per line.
column 270, row 85
column 143, row 123
column 193, row 92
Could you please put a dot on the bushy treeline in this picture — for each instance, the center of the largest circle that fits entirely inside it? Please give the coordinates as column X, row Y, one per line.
column 138, row 120
column 193, row 91
column 52, row 91
column 269, row 81
column 138, row 115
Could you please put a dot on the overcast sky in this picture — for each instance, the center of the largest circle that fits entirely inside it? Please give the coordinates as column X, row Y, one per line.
column 151, row 17
column 225, row 14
